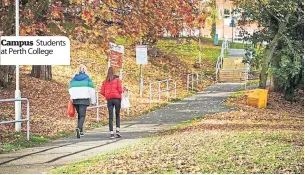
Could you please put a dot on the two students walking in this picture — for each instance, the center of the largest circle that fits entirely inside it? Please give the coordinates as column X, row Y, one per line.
column 82, row 94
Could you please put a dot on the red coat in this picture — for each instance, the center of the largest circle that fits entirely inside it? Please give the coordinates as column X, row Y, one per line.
column 112, row 89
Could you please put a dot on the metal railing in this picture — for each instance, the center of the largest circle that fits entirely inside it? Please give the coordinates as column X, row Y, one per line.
column 97, row 107
column 246, row 76
column 192, row 78
column 218, row 65
column 225, row 45
column 21, row 120
column 151, row 93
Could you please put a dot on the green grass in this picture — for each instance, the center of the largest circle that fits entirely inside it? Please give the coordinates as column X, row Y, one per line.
column 19, row 144
column 253, row 152
column 173, row 100
column 256, row 81
column 187, row 123
column 236, row 94
column 252, row 82
column 99, row 124
column 233, row 45
column 185, row 149
column 189, row 50
column 203, row 152
column 237, row 45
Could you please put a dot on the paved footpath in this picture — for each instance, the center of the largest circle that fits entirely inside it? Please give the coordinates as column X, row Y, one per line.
column 236, row 53
column 68, row 150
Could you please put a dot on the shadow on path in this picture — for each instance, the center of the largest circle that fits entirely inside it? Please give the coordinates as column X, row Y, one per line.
column 67, row 150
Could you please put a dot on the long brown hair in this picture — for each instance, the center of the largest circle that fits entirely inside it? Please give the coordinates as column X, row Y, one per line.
column 110, row 74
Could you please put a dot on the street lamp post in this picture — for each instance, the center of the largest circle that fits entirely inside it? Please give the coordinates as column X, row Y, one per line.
column 232, row 24
column 199, row 6
column 223, row 20
column 17, row 91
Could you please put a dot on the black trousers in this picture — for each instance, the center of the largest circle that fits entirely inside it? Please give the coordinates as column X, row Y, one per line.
column 81, row 111
column 114, row 103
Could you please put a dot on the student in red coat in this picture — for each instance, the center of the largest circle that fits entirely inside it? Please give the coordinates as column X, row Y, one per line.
column 112, row 91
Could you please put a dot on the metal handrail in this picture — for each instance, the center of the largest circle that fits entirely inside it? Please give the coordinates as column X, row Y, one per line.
column 97, row 106
column 192, row 80
column 161, row 81
column 22, row 120
column 225, row 45
column 246, row 76
column 159, row 89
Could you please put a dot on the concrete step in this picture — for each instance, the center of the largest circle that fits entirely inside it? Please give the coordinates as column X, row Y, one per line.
column 234, row 67
column 231, row 72
column 233, row 60
column 231, row 76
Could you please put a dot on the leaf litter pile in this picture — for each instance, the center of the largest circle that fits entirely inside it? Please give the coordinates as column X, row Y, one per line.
column 248, row 140
column 49, row 99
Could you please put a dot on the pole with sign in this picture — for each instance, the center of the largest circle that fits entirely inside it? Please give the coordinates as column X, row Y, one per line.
column 232, row 25
column 116, row 55
column 141, row 58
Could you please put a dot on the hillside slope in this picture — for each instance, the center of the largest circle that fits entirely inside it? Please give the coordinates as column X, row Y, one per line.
column 48, row 99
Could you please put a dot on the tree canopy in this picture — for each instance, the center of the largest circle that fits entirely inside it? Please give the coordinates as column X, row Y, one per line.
column 281, row 25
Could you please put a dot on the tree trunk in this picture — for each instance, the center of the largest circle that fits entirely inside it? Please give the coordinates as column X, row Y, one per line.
column 213, row 31
column 273, row 84
column 269, row 54
column 42, row 72
column 7, row 17
column 6, row 75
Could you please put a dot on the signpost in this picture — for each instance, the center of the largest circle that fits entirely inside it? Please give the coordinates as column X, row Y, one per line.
column 232, row 25
column 116, row 57
column 141, row 58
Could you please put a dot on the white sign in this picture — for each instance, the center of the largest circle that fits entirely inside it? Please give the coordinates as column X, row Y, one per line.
column 34, row 50
column 117, row 48
column 141, row 54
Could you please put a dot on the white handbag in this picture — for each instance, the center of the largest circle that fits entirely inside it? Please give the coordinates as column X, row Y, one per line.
column 125, row 103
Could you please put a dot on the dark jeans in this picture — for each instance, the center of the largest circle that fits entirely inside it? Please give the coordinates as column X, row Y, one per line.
column 81, row 111
column 116, row 103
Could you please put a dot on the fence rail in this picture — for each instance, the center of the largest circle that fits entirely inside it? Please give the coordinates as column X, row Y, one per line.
column 225, row 46
column 22, row 120
column 97, row 107
column 192, row 78
column 151, row 93
column 246, row 72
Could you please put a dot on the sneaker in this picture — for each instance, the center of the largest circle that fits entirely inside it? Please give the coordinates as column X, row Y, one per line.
column 112, row 136
column 82, row 134
column 78, row 133
column 118, row 135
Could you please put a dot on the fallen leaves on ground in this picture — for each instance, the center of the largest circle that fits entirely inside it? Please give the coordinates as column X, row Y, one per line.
column 49, row 99
column 248, row 140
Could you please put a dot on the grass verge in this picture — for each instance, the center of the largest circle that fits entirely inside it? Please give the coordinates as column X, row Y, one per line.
column 22, row 143
column 203, row 152
column 249, row 140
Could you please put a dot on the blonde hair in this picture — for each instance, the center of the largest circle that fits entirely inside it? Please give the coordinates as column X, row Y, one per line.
column 82, row 68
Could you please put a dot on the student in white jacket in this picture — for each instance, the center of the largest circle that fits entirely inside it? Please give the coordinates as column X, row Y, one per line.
column 82, row 93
